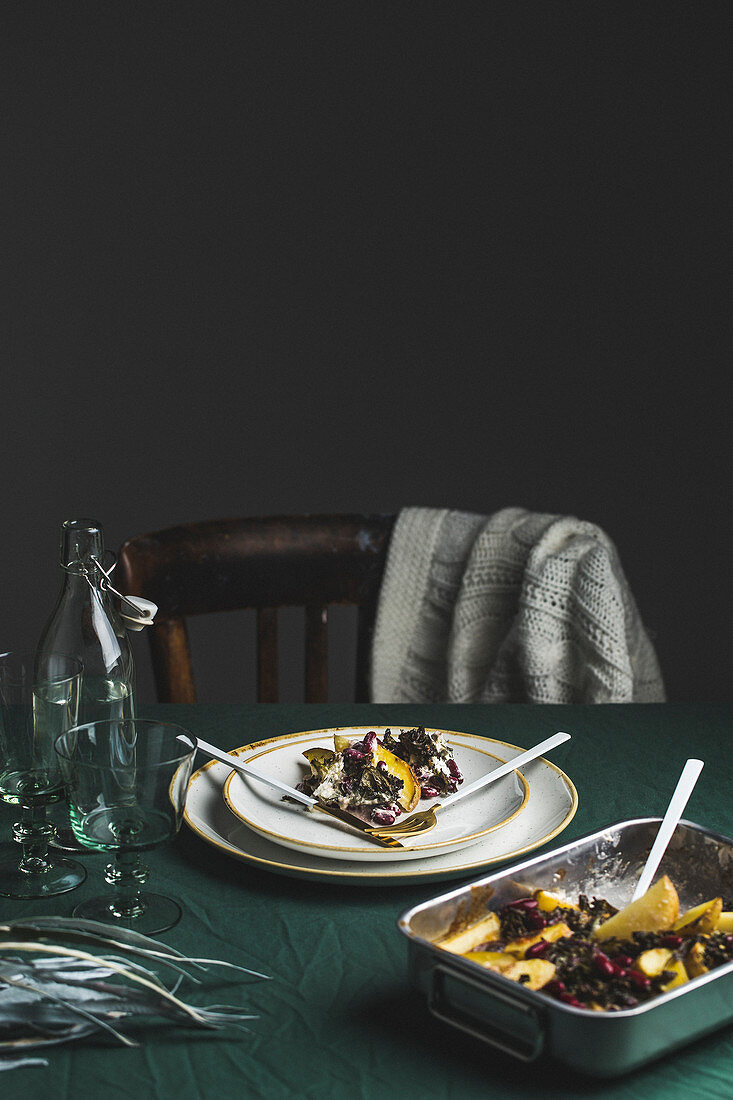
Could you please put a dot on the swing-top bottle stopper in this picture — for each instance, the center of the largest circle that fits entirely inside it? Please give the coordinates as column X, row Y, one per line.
column 135, row 611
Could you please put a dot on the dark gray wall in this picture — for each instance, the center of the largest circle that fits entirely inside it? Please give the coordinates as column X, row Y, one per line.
column 271, row 257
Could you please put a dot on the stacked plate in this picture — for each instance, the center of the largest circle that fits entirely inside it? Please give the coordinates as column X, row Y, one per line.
column 251, row 822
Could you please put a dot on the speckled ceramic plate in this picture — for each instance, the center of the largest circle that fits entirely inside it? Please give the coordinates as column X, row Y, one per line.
column 552, row 804
column 264, row 810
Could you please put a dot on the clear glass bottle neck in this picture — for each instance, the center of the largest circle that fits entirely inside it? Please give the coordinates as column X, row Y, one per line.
column 82, row 544
column 82, row 554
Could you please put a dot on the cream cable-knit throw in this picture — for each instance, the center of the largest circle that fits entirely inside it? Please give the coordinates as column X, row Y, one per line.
column 517, row 607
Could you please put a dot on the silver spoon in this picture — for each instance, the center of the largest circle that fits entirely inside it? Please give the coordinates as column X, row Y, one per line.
column 426, row 819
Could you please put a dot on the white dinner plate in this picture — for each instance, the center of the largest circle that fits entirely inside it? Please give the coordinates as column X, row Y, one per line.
column 552, row 804
column 264, row 810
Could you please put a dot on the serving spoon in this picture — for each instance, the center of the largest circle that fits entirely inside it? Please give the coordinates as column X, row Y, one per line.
column 682, row 792
column 426, row 819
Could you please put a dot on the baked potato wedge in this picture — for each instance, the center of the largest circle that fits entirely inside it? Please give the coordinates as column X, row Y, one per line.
column 700, row 920
column 532, row 973
column 319, row 758
column 654, row 911
column 470, row 938
column 651, row 963
column 549, row 934
column 500, row 961
column 677, row 967
column 695, row 961
column 546, row 902
column 725, row 922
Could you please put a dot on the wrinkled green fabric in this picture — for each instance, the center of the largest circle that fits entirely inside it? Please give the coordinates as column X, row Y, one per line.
column 338, row 1018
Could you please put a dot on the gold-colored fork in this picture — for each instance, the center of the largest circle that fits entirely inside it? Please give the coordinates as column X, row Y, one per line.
column 424, row 820
column 421, row 822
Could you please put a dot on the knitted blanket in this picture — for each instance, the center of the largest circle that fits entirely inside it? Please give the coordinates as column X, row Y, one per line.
column 517, row 607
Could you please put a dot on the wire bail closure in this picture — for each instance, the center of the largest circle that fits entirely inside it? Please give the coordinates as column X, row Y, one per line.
column 136, row 612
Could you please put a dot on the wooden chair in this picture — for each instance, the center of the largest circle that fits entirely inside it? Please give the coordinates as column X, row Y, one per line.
column 264, row 563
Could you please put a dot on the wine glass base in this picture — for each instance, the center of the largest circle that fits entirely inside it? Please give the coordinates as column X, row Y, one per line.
column 60, row 876
column 158, row 913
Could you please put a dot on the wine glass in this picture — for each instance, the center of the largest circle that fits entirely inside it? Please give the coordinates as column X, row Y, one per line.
column 126, row 782
column 39, row 699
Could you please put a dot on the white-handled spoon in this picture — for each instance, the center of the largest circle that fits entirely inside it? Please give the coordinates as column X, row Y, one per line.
column 240, row 766
column 505, row 769
column 682, row 792
column 424, row 820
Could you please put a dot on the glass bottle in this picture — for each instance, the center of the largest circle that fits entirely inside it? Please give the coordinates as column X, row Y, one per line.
column 86, row 624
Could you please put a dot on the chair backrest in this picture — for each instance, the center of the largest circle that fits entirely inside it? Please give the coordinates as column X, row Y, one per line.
column 260, row 563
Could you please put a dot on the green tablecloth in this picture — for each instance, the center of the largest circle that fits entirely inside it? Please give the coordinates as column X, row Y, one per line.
column 338, row 1018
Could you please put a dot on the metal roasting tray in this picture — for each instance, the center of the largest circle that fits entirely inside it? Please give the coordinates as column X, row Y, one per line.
column 530, row 1025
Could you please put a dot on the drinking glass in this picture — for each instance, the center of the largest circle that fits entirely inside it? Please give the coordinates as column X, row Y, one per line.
column 126, row 782
column 39, row 699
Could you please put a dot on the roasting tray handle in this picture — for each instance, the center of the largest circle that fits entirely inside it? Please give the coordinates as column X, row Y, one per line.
column 506, row 1022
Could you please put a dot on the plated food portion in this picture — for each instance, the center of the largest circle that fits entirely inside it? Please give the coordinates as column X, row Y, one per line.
column 378, row 779
column 358, row 769
column 588, row 954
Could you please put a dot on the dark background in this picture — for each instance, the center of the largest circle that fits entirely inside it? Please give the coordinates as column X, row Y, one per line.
column 297, row 257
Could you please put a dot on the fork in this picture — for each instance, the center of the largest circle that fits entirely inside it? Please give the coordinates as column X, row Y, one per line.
column 296, row 795
column 425, row 820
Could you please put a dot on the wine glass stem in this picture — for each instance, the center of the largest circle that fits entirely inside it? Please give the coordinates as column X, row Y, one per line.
column 127, row 875
column 34, row 834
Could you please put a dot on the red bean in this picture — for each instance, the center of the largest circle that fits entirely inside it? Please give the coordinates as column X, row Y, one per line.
column 535, row 919
column 638, row 979
column 523, row 903
column 536, row 950
column 671, row 941
column 384, row 817
column 603, row 965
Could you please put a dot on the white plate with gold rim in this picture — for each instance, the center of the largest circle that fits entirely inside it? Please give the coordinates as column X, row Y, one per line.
column 266, row 812
column 550, row 808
